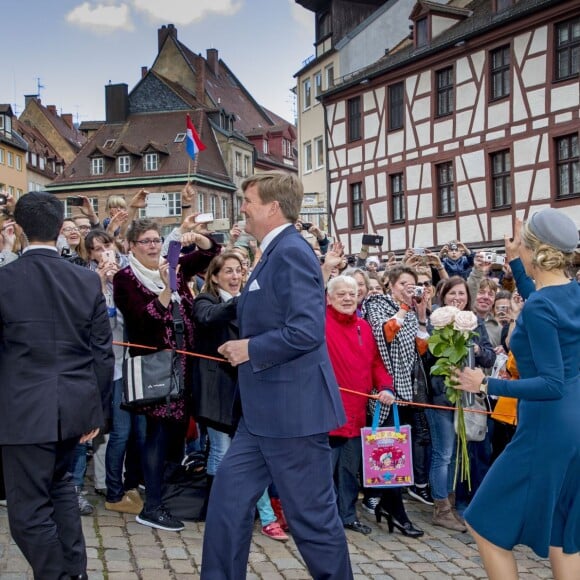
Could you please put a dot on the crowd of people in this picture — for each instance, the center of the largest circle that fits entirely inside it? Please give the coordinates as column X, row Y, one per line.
column 285, row 320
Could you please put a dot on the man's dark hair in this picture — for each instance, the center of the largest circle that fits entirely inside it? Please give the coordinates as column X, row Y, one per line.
column 40, row 214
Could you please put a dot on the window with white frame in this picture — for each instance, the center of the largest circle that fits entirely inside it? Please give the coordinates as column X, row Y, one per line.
column 33, row 159
column 1, row 156
column 307, row 157
column 238, row 162
column 213, row 204
column 174, row 203
column 94, row 204
column 247, row 165
column 97, row 166
column 1, row 122
column 151, row 161
column 356, row 205
column 10, row 159
column 225, row 207
column 41, row 162
column 329, row 72
column 397, row 198
column 124, row 164
column 18, row 163
column 317, row 83
column 445, row 189
column 319, row 152
column 265, row 147
column 307, row 94
column 200, row 202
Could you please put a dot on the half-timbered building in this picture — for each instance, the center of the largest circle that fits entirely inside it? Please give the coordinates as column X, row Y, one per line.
column 470, row 122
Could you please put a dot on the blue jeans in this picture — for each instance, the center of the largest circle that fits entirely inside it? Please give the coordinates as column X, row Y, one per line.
column 346, row 460
column 267, row 515
column 79, row 464
column 443, row 441
column 219, row 443
column 123, row 423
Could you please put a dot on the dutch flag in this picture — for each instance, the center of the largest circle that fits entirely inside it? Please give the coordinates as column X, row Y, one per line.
column 193, row 142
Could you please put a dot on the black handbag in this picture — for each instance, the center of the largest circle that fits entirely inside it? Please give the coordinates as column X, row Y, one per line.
column 157, row 377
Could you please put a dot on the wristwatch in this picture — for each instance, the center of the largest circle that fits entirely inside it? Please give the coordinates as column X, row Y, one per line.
column 483, row 386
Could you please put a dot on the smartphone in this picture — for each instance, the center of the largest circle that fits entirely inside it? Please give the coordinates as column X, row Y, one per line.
column 74, row 200
column 108, row 256
column 372, row 240
column 3, row 199
column 306, row 226
column 204, row 218
column 419, row 251
column 218, row 237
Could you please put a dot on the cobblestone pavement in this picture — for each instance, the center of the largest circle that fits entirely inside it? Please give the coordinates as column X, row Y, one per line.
column 120, row 549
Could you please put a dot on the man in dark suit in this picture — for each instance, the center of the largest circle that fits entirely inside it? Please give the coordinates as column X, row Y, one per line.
column 56, row 370
column 289, row 398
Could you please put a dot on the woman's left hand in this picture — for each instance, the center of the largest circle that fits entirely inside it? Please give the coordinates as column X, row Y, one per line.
column 386, row 397
column 468, row 379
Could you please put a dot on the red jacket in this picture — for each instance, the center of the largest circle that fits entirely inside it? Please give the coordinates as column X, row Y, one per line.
column 357, row 365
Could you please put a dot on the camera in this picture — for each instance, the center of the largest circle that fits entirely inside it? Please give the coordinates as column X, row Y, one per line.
column 493, row 258
column 74, row 200
column 3, row 199
column 418, row 291
column 306, row 226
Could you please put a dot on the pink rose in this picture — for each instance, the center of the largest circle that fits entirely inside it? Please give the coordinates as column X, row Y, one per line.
column 465, row 321
column 443, row 316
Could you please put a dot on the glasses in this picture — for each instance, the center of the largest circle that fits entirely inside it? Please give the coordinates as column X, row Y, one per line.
column 84, row 228
column 426, row 284
column 69, row 230
column 148, row 242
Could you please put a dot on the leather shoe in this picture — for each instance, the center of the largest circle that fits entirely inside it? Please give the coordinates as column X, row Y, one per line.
column 359, row 527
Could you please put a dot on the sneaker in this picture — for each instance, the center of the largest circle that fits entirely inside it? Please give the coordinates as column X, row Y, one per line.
column 160, row 519
column 421, row 494
column 85, row 508
column 125, row 505
column 370, row 504
column 359, row 527
column 101, row 491
column 275, row 532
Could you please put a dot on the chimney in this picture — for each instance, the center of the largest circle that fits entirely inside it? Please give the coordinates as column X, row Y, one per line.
column 213, row 60
column 29, row 98
column 116, row 103
column 200, row 79
column 144, row 70
column 68, row 119
column 163, row 33
column 51, row 109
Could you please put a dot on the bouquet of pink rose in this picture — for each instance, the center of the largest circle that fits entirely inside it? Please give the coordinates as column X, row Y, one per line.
column 453, row 330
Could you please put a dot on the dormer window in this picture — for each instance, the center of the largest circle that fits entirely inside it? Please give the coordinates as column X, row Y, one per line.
column 1, row 122
column 124, row 164
column 109, row 143
column 151, row 162
column 97, row 166
column 421, row 32
column 179, row 138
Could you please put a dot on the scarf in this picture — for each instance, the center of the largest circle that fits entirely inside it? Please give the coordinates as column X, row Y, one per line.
column 399, row 356
column 151, row 279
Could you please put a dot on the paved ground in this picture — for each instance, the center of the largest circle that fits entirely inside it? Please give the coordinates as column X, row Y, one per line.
column 120, row 549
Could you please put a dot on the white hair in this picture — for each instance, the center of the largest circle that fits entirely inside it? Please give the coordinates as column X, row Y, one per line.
column 346, row 280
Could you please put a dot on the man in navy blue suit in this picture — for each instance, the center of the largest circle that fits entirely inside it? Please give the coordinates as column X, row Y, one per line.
column 289, row 398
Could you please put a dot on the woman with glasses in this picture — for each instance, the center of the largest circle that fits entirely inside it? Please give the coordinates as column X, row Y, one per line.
column 142, row 294
column 71, row 243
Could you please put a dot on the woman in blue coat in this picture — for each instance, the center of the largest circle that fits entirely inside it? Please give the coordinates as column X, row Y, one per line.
column 531, row 494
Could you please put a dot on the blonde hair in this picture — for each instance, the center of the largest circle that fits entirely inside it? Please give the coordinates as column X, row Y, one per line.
column 545, row 257
column 116, row 201
column 280, row 186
